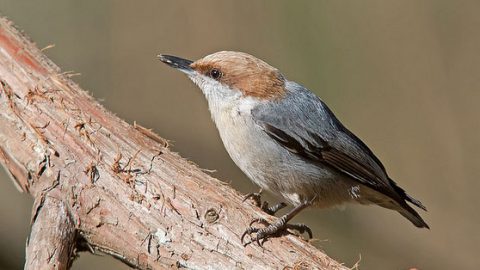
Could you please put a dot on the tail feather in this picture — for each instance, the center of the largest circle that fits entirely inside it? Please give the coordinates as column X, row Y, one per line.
column 405, row 196
column 412, row 215
column 405, row 210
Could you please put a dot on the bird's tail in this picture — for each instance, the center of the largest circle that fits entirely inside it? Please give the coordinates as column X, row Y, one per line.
column 405, row 210
column 412, row 215
column 405, row 196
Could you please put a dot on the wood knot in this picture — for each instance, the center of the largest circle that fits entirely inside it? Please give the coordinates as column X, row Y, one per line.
column 211, row 215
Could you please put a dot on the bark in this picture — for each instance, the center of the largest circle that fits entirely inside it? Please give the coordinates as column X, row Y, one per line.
column 52, row 240
column 101, row 184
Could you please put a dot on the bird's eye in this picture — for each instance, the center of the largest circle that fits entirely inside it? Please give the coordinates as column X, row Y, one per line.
column 215, row 74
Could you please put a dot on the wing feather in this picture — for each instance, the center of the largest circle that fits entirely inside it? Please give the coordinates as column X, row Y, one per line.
column 316, row 135
column 320, row 151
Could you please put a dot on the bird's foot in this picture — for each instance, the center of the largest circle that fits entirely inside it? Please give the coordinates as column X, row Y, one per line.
column 256, row 197
column 280, row 226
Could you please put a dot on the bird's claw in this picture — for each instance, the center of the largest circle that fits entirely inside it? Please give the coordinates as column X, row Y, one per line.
column 257, row 199
column 271, row 229
column 301, row 228
column 259, row 220
column 261, row 234
column 249, row 231
column 255, row 196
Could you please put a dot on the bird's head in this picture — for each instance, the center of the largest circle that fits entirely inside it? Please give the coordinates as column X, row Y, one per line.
column 225, row 75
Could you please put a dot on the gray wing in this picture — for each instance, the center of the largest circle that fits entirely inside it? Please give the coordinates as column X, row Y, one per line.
column 304, row 125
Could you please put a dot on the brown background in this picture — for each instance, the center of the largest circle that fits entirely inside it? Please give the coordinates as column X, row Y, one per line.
column 403, row 75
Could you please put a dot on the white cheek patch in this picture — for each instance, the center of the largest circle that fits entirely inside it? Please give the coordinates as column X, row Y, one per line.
column 210, row 87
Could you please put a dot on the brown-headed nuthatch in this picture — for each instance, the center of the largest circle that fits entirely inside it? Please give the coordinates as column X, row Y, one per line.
column 287, row 141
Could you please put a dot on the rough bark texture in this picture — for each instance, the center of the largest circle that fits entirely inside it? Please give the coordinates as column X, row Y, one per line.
column 52, row 239
column 101, row 184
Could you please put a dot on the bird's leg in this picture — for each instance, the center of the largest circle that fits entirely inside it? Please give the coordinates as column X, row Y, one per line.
column 280, row 225
column 271, row 210
column 257, row 199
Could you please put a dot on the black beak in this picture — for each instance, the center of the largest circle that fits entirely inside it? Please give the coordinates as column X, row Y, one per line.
column 176, row 62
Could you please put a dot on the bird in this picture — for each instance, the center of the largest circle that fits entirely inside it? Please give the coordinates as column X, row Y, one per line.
column 287, row 141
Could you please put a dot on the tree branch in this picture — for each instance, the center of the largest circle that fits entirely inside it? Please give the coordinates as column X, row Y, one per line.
column 52, row 240
column 104, row 185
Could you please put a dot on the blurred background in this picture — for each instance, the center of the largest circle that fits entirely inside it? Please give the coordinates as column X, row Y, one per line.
column 403, row 75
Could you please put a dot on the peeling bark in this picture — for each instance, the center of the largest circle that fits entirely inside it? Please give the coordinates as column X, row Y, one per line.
column 101, row 184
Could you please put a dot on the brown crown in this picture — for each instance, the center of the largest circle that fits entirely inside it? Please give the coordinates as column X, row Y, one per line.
column 248, row 74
